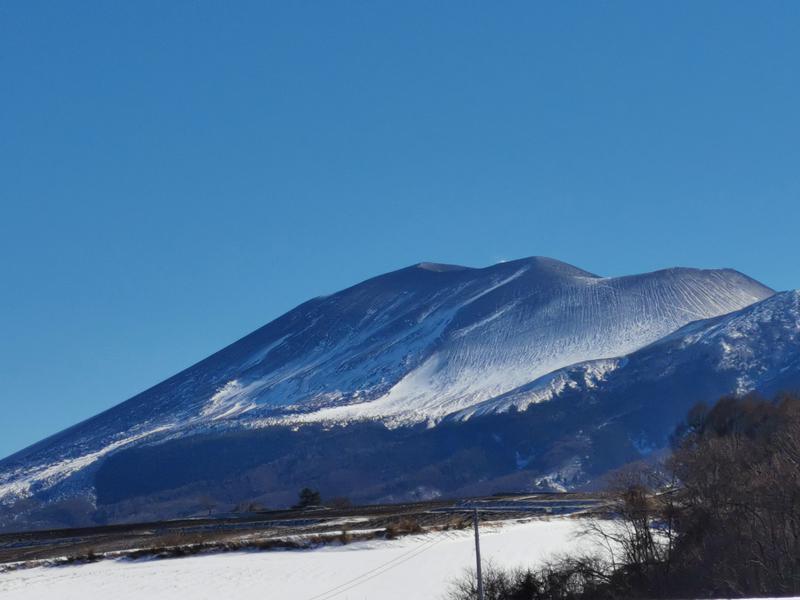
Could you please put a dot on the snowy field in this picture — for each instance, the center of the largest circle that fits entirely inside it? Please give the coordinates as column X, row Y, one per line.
column 417, row 567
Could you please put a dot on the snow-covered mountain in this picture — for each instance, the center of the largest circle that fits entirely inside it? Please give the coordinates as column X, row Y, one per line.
column 423, row 345
column 756, row 349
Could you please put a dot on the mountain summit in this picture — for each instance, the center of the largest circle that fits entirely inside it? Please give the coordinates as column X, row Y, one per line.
column 425, row 345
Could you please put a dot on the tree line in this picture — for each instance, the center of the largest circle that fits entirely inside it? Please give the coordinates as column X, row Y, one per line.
column 719, row 518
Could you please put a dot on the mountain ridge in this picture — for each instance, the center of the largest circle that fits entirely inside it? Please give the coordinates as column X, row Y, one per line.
column 420, row 345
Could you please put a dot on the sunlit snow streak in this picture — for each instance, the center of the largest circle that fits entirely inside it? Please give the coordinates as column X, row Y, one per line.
column 58, row 471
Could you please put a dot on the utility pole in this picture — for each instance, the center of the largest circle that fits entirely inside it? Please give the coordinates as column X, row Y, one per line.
column 478, row 554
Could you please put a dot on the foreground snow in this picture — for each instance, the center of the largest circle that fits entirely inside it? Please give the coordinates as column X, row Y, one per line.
column 411, row 567
column 419, row 567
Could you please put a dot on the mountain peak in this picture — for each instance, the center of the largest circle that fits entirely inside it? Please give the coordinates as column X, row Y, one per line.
column 545, row 264
column 440, row 267
column 540, row 264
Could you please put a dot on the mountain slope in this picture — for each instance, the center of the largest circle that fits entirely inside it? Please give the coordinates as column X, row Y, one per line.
column 642, row 396
column 563, row 430
column 412, row 346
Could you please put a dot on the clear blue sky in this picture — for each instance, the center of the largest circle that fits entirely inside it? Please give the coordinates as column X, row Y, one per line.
column 175, row 174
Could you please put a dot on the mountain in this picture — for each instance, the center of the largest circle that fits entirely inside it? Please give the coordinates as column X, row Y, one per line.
column 631, row 404
column 425, row 355
column 753, row 349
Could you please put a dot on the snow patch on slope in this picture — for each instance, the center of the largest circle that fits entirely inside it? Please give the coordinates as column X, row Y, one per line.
column 21, row 483
column 228, row 401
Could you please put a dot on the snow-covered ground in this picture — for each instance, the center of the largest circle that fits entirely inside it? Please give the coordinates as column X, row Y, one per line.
column 418, row 567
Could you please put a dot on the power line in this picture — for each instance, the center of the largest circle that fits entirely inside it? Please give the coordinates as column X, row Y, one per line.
column 398, row 560
column 380, row 569
column 376, row 571
column 382, row 572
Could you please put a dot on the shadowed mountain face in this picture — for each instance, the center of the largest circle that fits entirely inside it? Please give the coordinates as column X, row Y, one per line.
column 413, row 369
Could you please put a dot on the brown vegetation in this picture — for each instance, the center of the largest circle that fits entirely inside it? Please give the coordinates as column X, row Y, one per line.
column 402, row 526
column 722, row 519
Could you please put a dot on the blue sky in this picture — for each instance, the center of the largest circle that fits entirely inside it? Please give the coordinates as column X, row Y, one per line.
column 174, row 175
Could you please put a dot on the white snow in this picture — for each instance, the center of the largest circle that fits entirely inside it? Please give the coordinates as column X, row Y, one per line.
column 419, row 567
column 753, row 343
column 533, row 331
column 227, row 402
column 20, row 486
column 410, row 567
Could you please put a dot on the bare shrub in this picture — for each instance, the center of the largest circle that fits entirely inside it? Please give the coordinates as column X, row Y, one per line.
column 345, row 537
column 565, row 579
column 403, row 526
column 723, row 520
